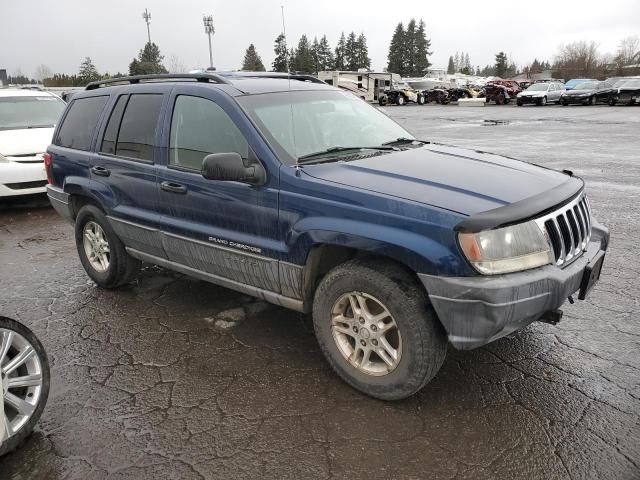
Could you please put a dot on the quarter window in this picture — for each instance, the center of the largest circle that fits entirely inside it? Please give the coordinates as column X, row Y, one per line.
column 137, row 131
column 80, row 123
column 200, row 127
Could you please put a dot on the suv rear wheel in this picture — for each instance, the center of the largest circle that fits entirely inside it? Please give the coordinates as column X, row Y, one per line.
column 101, row 252
column 377, row 330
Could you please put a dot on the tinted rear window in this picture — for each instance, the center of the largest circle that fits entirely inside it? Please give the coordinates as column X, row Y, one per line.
column 138, row 127
column 80, row 123
column 111, row 132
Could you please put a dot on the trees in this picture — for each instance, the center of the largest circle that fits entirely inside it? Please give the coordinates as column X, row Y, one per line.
column 42, row 72
column 421, row 50
column 252, row 61
column 302, row 60
column 628, row 53
column 579, row 59
column 280, row 63
column 395, row 57
column 88, row 72
column 149, row 61
column 351, row 52
column 501, row 64
column 451, row 67
column 340, row 60
column 323, row 55
column 175, row 64
column 409, row 50
column 362, row 53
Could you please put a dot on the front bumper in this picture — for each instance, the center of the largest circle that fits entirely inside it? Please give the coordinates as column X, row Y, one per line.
column 529, row 99
column 574, row 99
column 478, row 310
column 22, row 178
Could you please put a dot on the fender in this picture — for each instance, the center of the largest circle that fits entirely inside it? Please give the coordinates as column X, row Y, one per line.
column 416, row 251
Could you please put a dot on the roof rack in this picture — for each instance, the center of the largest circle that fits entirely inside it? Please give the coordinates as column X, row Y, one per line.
column 303, row 77
column 161, row 77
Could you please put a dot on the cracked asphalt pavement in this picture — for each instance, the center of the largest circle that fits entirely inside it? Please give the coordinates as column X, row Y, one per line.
column 171, row 377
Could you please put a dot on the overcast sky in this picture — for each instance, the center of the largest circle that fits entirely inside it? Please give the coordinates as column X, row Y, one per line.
column 60, row 33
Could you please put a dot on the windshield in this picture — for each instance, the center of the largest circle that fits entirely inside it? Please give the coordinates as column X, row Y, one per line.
column 586, row 86
column 538, row 87
column 30, row 112
column 300, row 123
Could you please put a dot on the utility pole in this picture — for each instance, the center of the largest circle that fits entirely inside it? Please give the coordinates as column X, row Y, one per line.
column 209, row 30
column 147, row 18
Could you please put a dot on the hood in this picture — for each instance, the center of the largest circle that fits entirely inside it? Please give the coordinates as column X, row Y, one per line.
column 456, row 179
column 25, row 141
column 536, row 93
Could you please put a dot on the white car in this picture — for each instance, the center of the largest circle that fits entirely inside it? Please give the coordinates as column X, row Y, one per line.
column 27, row 121
column 541, row 93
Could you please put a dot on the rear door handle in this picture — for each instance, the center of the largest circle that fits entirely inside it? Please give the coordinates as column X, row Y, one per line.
column 101, row 171
column 173, row 187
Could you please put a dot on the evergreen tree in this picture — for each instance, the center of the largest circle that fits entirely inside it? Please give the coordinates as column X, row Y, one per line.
column 324, row 55
column 88, row 72
column 456, row 63
column 149, row 61
column 280, row 49
column 451, row 68
column 410, row 49
column 421, row 53
column 501, row 64
column 293, row 61
column 362, row 52
column 467, row 62
column 252, row 61
column 351, row 52
column 396, row 51
column 304, row 57
column 340, row 60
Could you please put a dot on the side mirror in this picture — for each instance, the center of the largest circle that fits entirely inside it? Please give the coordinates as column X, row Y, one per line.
column 230, row 167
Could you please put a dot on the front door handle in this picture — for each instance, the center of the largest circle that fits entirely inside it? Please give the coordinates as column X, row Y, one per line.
column 101, row 171
column 173, row 187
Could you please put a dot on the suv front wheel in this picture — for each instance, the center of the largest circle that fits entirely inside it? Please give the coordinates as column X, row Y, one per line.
column 377, row 330
column 101, row 252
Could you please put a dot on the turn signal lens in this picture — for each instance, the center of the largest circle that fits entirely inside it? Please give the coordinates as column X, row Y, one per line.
column 48, row 164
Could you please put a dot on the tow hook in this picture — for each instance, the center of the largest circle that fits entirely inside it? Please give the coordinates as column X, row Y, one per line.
column 552, row 317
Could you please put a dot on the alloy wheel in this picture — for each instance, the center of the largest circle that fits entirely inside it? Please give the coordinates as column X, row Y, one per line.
column 96, row 246
column 366, row 333
column 21, row 381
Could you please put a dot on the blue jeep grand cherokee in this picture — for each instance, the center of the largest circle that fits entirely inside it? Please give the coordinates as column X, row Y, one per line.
column 293, row 191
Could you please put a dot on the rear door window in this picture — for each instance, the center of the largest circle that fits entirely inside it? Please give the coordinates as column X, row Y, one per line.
column 111, row 132
column 136, row 135
column 80, row 123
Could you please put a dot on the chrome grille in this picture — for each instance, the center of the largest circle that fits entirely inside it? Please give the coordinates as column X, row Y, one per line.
column 568, row 229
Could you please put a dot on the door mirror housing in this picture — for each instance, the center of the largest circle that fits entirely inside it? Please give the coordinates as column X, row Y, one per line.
column 229, row 167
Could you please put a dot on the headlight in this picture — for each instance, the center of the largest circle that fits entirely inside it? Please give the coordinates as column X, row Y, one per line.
column 508, row 249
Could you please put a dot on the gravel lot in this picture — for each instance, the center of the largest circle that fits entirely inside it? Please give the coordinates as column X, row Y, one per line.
column 175, row 378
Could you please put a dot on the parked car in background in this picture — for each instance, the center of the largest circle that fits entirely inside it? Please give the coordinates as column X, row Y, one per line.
column 628, row 93
column 541, row 93
column 587, row 93
column 287, row 189
column 570, row 85
column 27, row 121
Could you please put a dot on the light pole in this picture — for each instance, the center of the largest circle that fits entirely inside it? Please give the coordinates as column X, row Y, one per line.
column 209, row 30
column 146, row 15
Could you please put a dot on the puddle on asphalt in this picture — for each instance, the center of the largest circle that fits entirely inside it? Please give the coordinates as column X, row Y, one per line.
column 492, row 123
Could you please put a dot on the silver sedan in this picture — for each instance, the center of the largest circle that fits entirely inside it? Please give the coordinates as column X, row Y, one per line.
column 541, row 93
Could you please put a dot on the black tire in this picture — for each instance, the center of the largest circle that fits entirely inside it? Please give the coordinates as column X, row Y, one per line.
column 612, row 101
column 424, row 343
column 519, row 103
column 421, row 99
column 400, row 100
column 122, row 268
column 564, row 103
column 590, row 101
column 383, row 100
column 23, row 433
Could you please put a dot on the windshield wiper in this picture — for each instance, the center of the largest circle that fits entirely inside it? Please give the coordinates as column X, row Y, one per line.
column 314, row 157
column 403, row 140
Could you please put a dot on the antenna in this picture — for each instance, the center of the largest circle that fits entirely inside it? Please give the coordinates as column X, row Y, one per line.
column 293, row 129
column 146, row 15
